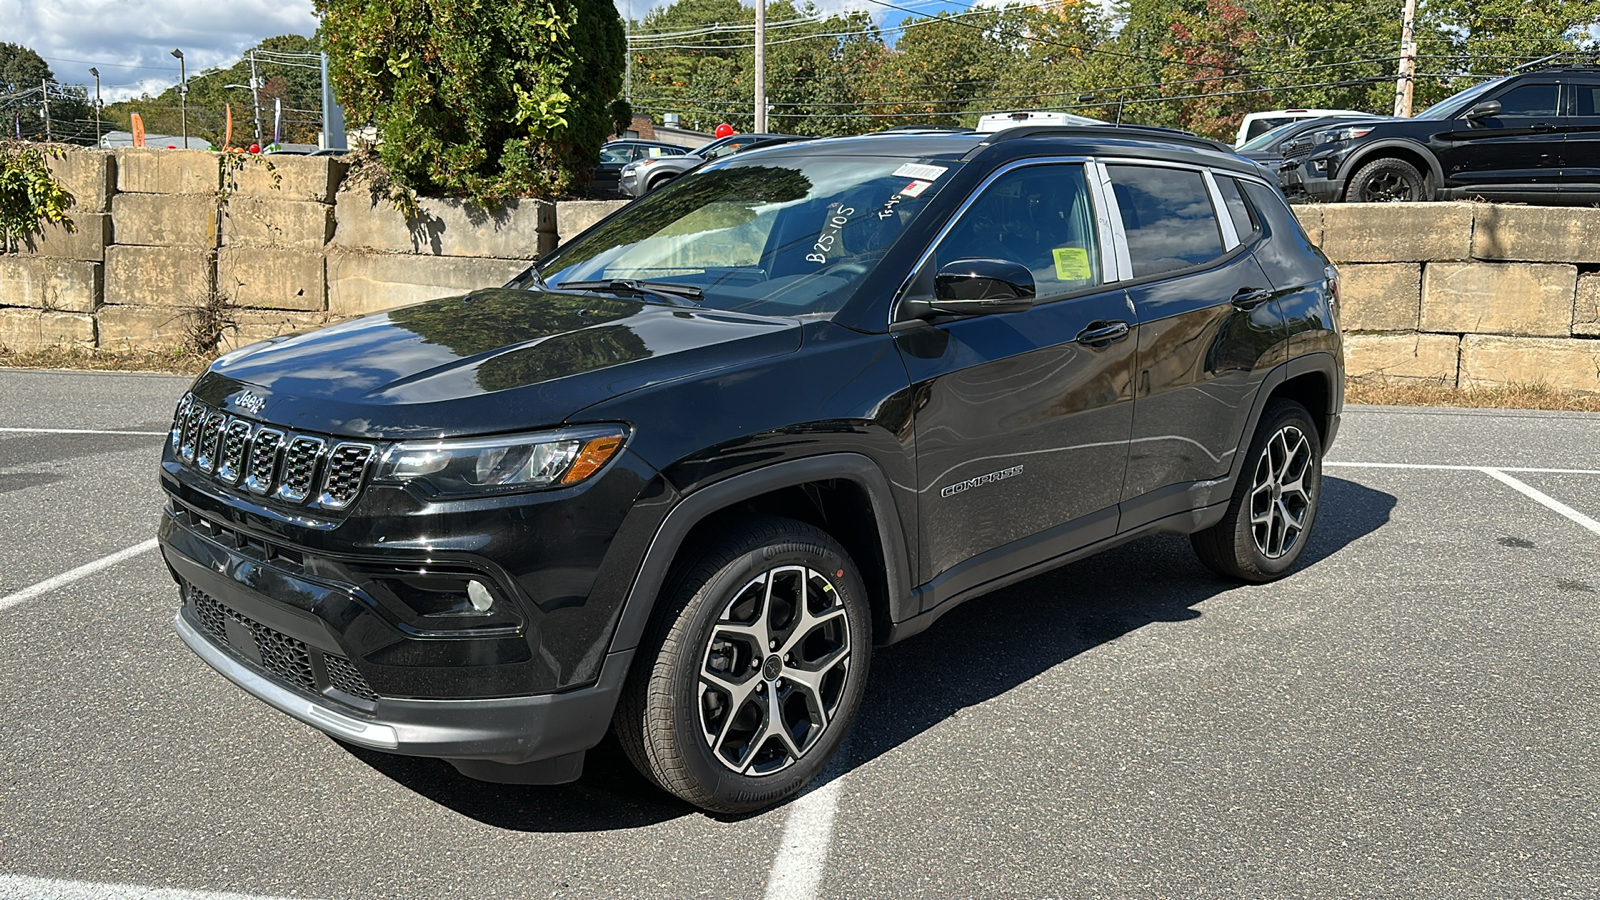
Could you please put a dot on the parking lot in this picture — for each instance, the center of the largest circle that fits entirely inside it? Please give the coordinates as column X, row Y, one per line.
column 1412, row 713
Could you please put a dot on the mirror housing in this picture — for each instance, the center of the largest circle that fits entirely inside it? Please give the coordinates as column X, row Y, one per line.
column 977, row 287
column 1485, row 110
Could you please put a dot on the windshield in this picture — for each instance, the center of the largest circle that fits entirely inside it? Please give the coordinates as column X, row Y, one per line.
column 786, row 236
column 1260, row 141
column 1453, row 104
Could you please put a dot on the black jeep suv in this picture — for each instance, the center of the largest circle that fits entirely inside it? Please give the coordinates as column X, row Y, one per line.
column 678, row 479
column 1532, row 137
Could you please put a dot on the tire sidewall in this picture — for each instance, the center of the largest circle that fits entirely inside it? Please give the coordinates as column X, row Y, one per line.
column 1244, row 537
column 680, row 674
column 1363, row 178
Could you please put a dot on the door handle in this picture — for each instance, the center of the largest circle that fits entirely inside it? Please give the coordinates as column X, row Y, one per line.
column 1250, row 298
column 1543, row 127
column 1100, row 335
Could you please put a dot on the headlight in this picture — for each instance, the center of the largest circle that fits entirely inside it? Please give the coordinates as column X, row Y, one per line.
column 524, row 462
column 1347, row 133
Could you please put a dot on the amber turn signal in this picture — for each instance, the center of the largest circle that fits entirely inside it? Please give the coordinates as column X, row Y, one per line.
column 593, row 455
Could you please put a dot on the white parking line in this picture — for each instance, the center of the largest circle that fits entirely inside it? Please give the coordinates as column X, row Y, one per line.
column 1545, row 499
column 79, row 431
column 1531, row 471
column 65, row 578
column 22, row 887
column 807, row 835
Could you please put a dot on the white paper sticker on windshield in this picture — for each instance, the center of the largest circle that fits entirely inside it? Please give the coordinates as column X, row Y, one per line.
column 918, row 170
column 915, row 188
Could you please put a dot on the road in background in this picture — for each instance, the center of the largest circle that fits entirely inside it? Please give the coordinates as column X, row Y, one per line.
column 1410, row 714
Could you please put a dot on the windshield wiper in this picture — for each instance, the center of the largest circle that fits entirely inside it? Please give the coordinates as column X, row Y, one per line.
column 666, row 291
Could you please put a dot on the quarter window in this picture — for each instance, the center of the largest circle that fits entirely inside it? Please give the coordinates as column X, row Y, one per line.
column 1168, row 217
column 1244, row 221
column 1039, row 216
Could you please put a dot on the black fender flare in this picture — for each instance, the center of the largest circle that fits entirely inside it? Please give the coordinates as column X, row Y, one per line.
column 695, row 507
column 1320, row 361
column 1365, row 153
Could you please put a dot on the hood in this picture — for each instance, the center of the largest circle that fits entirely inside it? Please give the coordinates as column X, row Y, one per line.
column 490, row 361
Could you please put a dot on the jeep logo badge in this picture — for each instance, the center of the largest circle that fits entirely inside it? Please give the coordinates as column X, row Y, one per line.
column 250, row 402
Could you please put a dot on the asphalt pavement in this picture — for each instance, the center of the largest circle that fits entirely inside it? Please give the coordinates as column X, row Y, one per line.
column 1412, row 713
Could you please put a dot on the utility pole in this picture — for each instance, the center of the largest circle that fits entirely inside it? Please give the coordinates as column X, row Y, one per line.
column 255, row 95
column 44, row 103
column 97, row 104
column 183, row 96
column 627, row 63
column 1408, row 61
column 761, row 66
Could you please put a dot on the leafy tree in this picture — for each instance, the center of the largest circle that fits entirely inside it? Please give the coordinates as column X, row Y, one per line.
column 22, row 73
column 491, row 98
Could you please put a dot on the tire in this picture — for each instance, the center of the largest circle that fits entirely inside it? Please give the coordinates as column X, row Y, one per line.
column 1274, row 504
column 1387, row 180
column 696, row 712
column 658, row 182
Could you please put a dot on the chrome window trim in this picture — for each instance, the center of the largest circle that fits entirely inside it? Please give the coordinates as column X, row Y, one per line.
column 1219, row 208
column 1119, row 237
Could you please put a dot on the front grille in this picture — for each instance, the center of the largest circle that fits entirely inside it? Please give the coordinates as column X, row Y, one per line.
column 293, row 468
column 288, row 660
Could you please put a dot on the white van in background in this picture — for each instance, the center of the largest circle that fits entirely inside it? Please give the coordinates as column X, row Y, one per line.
column 992, row 122
column 1258, row 123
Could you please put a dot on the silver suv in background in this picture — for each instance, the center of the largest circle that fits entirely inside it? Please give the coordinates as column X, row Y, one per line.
column 645, row 175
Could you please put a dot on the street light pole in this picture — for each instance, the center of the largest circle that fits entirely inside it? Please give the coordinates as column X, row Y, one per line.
column 255, row 96
column 96, row 73
column 183, row 97
column 761, row 66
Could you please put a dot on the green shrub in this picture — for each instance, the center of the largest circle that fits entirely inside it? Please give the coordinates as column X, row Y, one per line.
column 29, row 194
column 488, row 98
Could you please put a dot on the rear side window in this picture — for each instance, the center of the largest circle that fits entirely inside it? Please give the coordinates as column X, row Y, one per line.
column 1529, row 100
column 1588, row 96
column 1168, row 217
column 1244, row 221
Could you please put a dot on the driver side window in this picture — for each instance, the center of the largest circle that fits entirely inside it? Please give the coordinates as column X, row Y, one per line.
column 1039, row 216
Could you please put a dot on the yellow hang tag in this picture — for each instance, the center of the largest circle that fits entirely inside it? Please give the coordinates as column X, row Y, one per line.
column 1072, row 263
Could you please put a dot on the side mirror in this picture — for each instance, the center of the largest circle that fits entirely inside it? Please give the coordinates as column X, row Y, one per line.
column 976, row 287
column 1485, row 110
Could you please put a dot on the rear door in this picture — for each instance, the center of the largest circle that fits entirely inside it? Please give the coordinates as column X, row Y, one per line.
column 1580, row 153
column 1515, row 154
column 1209, row 330
column 1022, row 419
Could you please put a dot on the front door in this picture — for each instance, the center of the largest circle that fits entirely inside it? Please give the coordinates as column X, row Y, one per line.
column 1515, row 154
column 1022, row 419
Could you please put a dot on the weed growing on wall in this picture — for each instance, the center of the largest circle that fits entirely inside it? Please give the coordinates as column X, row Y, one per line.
column 29, row 195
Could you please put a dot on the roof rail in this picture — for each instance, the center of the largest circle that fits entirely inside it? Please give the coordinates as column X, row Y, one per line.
column 926, row 129
column 1585, row 59
column 1154, row 131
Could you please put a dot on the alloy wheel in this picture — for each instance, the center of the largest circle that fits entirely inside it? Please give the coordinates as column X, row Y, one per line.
column 1387, row 187
column 1279, row 497
column 774, row 670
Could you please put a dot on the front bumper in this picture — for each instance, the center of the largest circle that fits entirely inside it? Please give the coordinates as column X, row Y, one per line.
column 1300, row 181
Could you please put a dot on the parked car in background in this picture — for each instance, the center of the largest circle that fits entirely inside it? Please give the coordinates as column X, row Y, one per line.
column 1529, row 137
column 1258, row 123
column 992, row 122
column 615, row 155
column 646, row 175
column 1267, row 147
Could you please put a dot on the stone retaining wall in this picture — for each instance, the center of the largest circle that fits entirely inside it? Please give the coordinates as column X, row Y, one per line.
column 1467, row 293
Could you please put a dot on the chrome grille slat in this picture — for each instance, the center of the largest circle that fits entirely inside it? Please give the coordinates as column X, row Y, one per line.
column 263, row 460
column 191, row 430
column 347, row 465
column 179, row 419
column 299, row 468
column 235, row 447
column 205, row 457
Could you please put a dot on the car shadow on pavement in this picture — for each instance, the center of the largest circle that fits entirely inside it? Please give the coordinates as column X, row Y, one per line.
column 977, row 652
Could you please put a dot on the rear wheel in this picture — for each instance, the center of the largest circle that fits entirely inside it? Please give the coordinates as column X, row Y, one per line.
column 752, row 670
column 1387, row 180
column 1274, row 504
column 658, row 182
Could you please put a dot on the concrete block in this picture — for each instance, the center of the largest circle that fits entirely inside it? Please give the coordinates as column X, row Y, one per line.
column 273, row 279
column 173, row 220
column 90, row 176
column 360, row 283
column 1381, row 296
column 1586, row 313
column 1537, row 233
column 143, row 327
column 284, row 224
column 1569, row 364
column 275, row 177
column 63, row 285
column 573, row 217
column 1427, row 356
column 33, row 329
column 1499, row 298
column 147, row 170
column 159, row 276
column 87, row 239
column 517, row 230
column 1310, row 217
column 1397, row 232
column 251, row 325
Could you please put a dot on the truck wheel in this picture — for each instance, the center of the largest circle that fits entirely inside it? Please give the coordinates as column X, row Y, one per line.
column 752, row 669
column 1274, row 504
column 1387, row 180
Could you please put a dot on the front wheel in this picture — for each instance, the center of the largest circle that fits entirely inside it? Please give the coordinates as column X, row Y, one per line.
column 1387, row 180
column 752, row 670
column 1269, row 519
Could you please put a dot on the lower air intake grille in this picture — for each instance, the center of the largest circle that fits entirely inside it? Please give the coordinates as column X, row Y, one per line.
column 287, row 659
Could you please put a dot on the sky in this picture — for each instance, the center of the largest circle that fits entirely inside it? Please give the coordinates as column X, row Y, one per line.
column 131, row 41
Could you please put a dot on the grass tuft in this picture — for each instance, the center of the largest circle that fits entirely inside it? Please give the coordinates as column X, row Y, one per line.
column 1398, row 392
column 176, row 362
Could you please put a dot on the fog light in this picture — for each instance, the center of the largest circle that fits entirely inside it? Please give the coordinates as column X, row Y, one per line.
column 480, row 596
